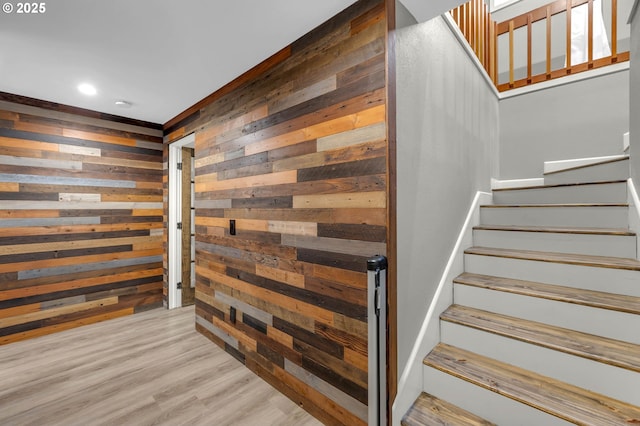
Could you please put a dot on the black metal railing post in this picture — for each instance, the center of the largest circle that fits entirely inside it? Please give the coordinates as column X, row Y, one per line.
column 377, row 343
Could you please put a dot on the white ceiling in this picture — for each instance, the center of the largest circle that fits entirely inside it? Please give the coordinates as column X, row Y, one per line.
column 162, row 56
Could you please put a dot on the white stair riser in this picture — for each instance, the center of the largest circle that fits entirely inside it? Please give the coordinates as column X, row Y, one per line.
column 598, row 377
column 484, row 403
column 572, row 163
column 596, row 193
column 600, row 322
column 619, row 281
column 589, row 244
column 593, row 217
column 618, row 170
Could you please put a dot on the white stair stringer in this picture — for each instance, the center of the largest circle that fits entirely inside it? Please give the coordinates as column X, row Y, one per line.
column 564, row 165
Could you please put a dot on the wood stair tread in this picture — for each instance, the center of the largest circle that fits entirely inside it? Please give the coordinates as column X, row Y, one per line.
column 595, row 299
column 557, row 398
column 557, row 185
column 557, row 230
column 615, row 160
column 429, row 410
column 539, row 205
column 564, row 258
column 608, row 351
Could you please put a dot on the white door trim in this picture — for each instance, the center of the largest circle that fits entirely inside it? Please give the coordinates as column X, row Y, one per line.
column 175, row 216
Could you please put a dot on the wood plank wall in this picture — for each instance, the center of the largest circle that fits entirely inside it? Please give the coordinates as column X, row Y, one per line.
column 80, row 217
column 295, row 151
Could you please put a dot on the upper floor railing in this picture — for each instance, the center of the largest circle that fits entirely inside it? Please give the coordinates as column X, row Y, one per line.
column 558, row 39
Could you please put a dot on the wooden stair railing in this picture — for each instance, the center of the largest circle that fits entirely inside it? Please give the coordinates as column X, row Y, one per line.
column 482, row 32
column 479, row 29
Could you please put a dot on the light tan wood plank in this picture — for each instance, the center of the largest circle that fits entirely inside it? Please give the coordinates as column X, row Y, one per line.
column 291, row 278
column 373, row 200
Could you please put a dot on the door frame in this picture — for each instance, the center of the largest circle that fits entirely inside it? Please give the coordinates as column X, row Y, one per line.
column 174, row 241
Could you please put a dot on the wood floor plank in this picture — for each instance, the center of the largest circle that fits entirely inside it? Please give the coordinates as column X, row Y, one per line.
column 150, row 368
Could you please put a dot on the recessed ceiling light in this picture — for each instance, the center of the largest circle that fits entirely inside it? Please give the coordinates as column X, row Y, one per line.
column 87, row 89
column 123, row 104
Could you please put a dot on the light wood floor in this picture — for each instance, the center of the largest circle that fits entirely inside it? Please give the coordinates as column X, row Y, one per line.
column 151, row 368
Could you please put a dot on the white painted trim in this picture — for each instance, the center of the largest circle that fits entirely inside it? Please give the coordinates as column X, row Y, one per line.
column 465, row 45
column 559, row 165
column 634, row 213
column 410, row 384
column 573, row 78
column 633, row 11
column 175, row 215
column 493, row 8
column 516, row 183
column 625, row 142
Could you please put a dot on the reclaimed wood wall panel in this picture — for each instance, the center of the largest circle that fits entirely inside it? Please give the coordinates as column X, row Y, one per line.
column 81, row 217
column 295, row 151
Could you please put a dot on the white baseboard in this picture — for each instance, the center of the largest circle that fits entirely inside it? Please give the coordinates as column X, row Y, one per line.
column 634, row 213
column 410, row 384
column 556, row 166
column 516, row 183
column 625, row 142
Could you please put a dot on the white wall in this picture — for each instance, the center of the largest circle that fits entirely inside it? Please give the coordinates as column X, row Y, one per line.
column 586, row 118
column 634, row 89
column 447, row 150
column 424, row 10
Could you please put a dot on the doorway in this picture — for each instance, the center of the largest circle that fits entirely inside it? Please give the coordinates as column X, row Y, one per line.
column 181, row 226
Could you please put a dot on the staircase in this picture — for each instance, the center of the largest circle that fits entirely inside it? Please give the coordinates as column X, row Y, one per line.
column 545, row 325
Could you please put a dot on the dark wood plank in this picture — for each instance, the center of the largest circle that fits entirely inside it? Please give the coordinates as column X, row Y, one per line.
column 353, row 232
column 319, row 342
column 354, row 168
column 336, row 260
